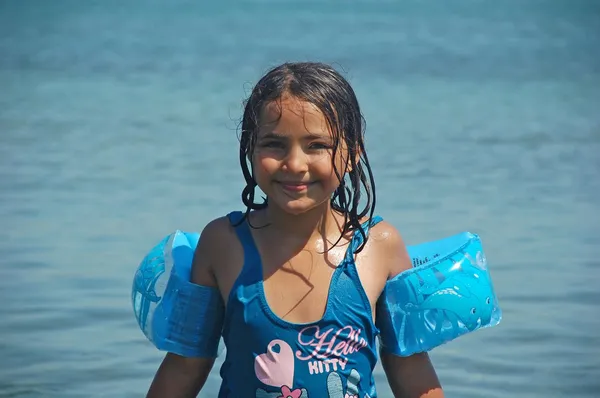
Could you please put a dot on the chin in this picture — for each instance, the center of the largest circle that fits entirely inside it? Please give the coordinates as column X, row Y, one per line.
column 297, row 206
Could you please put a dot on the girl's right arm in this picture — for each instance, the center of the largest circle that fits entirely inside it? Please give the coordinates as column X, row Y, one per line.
column 182, row 377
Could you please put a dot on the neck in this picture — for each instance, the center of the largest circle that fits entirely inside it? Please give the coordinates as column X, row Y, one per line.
column 318, row 222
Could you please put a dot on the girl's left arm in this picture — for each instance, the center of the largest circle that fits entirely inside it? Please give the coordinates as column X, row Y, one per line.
column 413, row 376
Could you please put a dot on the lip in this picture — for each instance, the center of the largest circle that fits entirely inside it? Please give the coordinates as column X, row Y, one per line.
column 294, row 186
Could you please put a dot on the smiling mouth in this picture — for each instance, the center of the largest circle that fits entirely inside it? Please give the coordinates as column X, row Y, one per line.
column 294, row 186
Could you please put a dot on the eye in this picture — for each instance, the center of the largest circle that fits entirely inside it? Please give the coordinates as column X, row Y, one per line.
column 271, row 144
column 319, row 146
column 488, row 300
column 473, row 311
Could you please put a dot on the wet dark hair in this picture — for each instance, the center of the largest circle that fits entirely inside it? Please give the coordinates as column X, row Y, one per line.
column 322, row 86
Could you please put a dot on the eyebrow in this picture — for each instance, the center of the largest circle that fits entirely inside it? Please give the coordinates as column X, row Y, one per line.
column 275, row 135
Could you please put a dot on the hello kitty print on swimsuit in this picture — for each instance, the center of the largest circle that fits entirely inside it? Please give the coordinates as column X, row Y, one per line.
column 321, row 351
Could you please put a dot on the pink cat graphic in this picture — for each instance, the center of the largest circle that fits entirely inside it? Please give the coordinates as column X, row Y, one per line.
column 275, row 368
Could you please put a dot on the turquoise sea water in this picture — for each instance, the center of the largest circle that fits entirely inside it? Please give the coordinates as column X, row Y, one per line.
column 118, row 125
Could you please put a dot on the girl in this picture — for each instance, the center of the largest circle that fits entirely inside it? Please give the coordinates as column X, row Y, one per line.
column 300, row 272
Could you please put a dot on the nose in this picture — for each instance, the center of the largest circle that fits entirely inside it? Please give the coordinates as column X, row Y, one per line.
column 296, row 161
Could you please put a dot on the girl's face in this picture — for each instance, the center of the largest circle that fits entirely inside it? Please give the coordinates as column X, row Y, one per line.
column 292, row 159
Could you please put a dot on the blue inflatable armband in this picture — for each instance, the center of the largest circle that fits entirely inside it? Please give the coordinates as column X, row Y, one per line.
column 174, row 314
column 447, row 294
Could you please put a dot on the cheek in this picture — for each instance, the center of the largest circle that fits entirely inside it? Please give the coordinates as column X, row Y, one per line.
column 326, row 171
column 264, row 165
column 339, row 164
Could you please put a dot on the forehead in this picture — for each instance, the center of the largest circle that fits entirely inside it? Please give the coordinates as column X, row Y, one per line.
column 292, row 116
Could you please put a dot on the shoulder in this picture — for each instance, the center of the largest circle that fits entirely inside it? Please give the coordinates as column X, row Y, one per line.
column 217, row 233
column 386, row 246
column 214, row 248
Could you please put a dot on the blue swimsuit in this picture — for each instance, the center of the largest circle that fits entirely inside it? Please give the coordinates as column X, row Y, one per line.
column 268, row 357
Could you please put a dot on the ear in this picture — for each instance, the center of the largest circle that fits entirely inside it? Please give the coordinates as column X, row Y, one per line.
column 356, row 159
